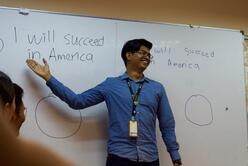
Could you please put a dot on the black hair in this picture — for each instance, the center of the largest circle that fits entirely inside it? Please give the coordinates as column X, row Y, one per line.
column 7, row 92
column 134, row 46
column 18, row 97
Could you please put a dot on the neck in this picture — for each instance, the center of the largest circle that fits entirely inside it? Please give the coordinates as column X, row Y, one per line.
column 135, row 75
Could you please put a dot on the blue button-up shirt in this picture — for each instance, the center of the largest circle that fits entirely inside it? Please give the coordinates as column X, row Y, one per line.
column 152, row 103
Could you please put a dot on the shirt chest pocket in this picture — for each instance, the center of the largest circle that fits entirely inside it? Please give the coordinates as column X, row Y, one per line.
column 148, row 101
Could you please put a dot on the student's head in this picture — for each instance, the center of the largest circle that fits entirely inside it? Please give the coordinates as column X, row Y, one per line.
column 134, row 46
column 7, row 97
column 19, row 117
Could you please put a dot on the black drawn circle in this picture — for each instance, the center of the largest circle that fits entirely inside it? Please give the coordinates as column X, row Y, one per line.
column 1, row 45
column 49, row 135
column 210, row 120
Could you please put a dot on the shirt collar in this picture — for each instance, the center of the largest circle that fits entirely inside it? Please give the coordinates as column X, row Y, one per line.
column 125, row 76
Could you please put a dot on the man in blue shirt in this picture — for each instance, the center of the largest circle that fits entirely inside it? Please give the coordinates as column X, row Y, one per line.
column 134, row 103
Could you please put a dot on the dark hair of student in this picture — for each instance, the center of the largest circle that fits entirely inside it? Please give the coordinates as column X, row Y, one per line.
column 7, row 92
column 134, row 46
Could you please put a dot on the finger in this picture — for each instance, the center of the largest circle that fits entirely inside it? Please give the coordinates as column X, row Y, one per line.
column 45, row 62
column 28, row 61
column 31, row 63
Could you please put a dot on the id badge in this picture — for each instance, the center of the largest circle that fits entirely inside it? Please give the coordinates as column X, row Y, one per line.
column 133, row 129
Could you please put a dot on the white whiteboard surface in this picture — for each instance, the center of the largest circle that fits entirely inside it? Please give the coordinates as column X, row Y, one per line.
column 202, row 70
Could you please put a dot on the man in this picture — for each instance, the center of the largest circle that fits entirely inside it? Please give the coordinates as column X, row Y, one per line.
column 133, row 101
column 19, row 116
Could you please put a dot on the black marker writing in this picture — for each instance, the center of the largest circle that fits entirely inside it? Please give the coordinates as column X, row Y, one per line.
column 199, row 52
column 83, row 41
column 15, row 32
column 45, row 37
column 33, row 54
column 183, row 65
column 76, row 56
column 1, row 45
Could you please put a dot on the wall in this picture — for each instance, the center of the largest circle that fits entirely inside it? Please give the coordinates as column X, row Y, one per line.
column 230, row 14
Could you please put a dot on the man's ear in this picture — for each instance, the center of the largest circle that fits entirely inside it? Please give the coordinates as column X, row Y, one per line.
column 128, row 55
column 6, row 106
column 8, row 110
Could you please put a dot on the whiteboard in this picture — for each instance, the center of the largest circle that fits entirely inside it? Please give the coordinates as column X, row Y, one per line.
column 202, row 70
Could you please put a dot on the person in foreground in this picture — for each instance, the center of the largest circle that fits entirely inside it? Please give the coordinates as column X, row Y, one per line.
column 133, row 101
column 15, row 151
column 7, row 97
column 19, row 116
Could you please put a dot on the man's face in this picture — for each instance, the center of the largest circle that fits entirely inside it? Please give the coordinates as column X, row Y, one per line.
column 141, row 58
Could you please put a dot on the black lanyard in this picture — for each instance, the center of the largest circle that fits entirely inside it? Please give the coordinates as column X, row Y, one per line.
column 134, row 96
